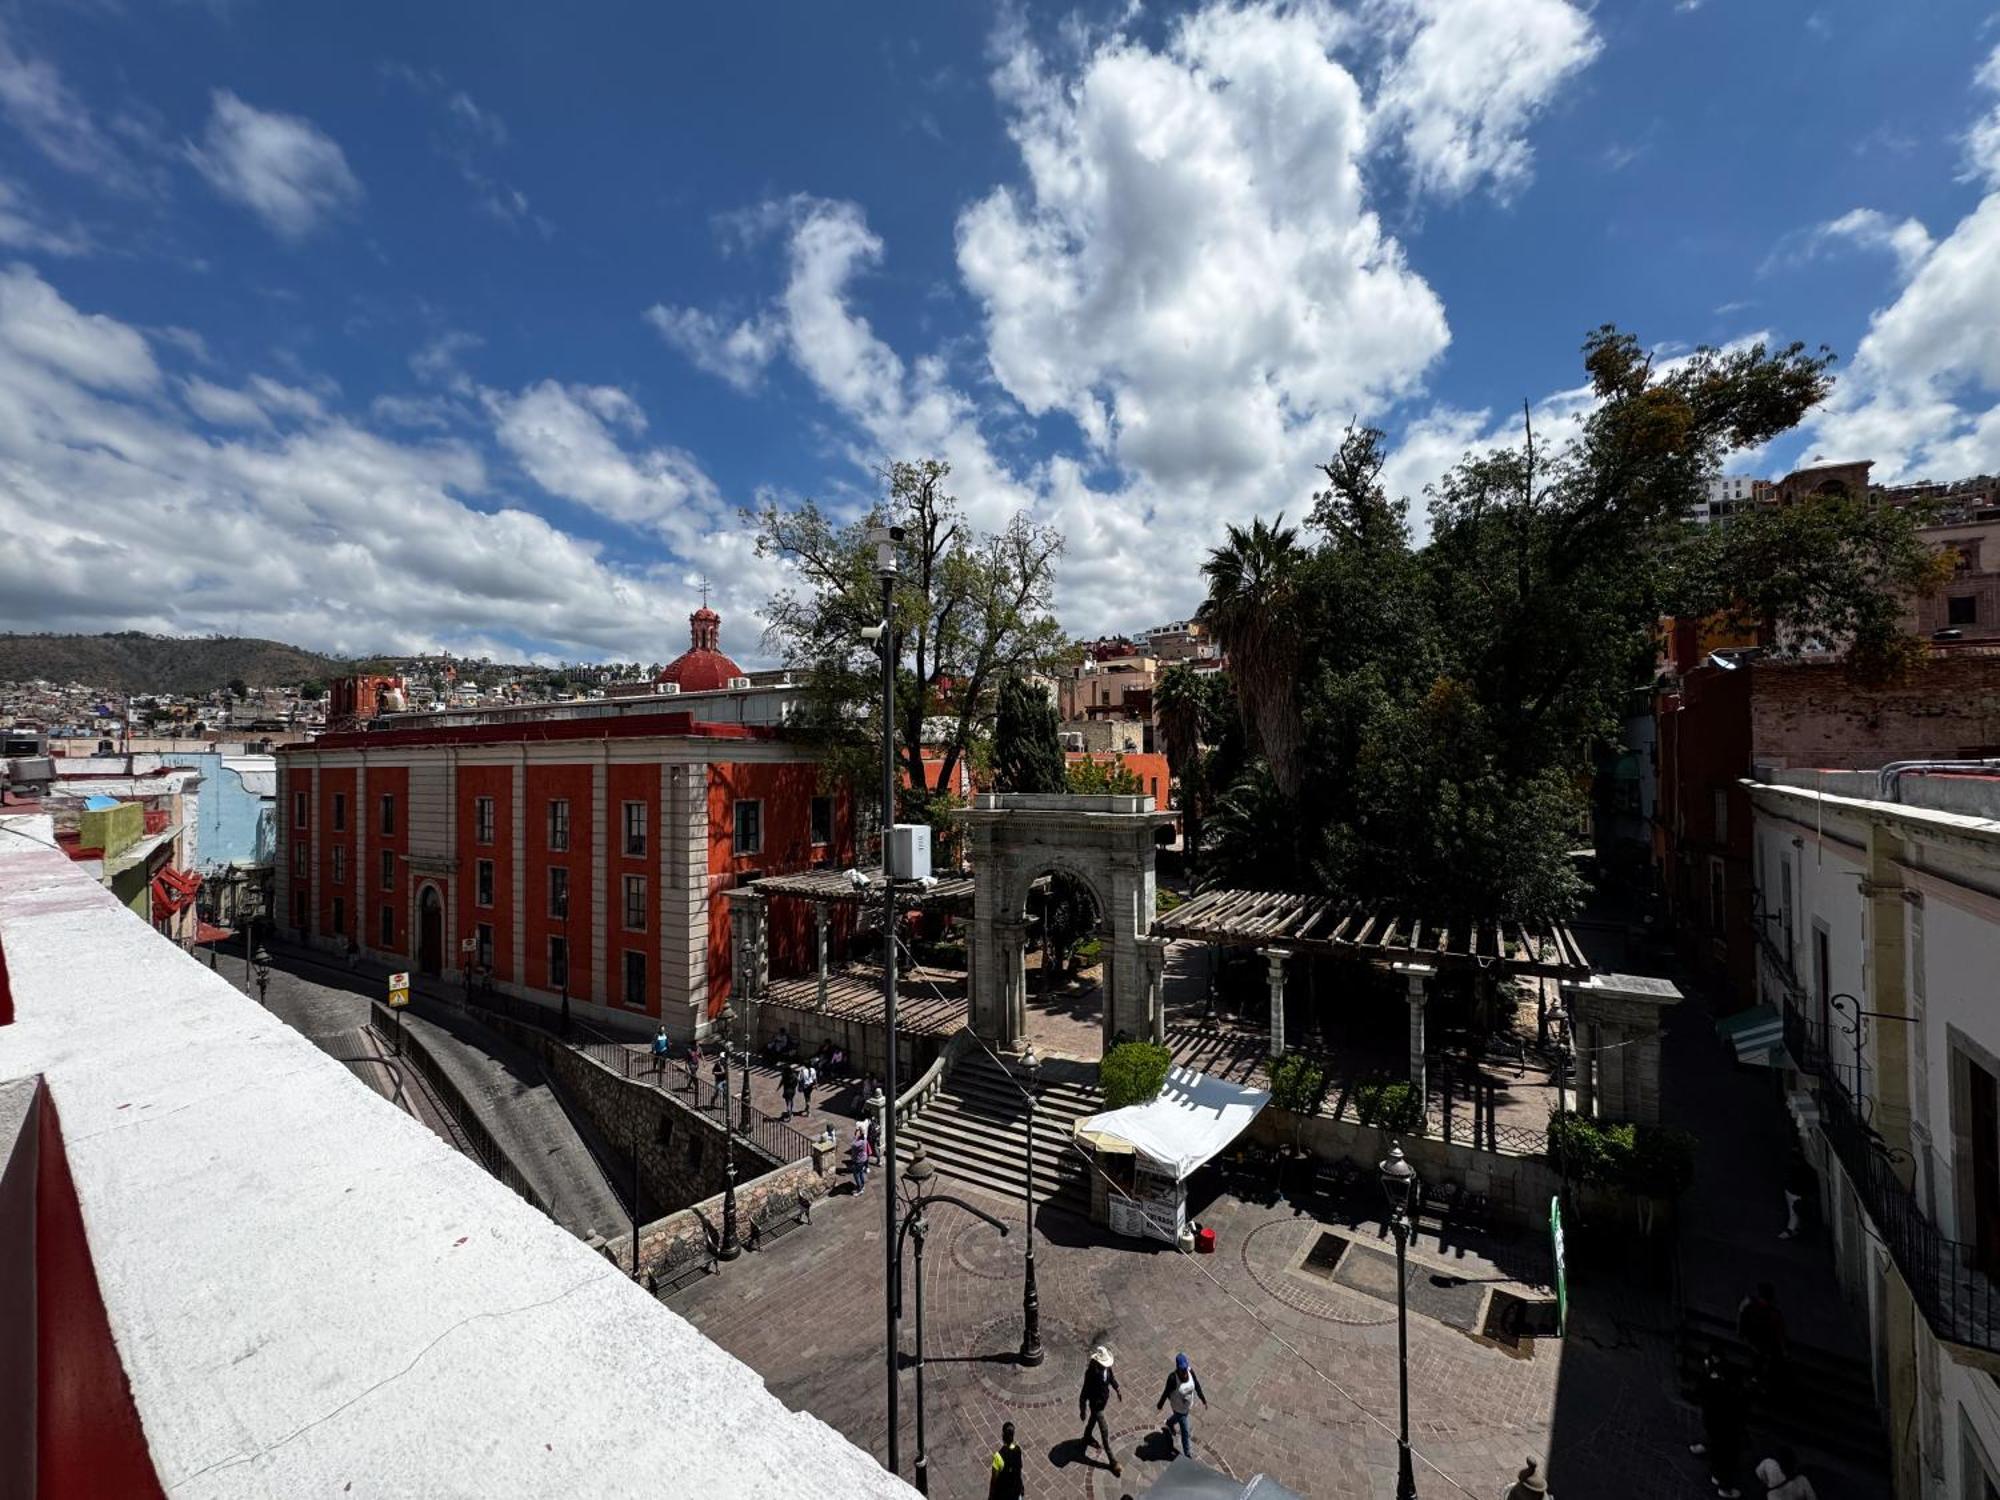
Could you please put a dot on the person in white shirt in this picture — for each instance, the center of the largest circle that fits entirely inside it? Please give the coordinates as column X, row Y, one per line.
column 1784, row 1479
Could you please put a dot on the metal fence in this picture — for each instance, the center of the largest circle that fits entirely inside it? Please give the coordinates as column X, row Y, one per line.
column 1956, row 1296
column 772, row 1137
column 478, row 1140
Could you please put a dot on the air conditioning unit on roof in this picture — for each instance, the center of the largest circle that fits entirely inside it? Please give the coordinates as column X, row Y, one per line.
column 739, row 682
column 668, row 687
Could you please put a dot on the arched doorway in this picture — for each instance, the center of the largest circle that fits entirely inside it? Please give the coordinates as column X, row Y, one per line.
column 430, row 931
column 1106, row 843
column 1067, row 960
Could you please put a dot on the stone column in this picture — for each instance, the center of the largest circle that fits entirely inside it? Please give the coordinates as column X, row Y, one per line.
column 819, row 940
column 1153, row 965
column 1886, row 991
column 1274, row 958
column 1419, row 977
column 748, row 954
column 684, row 895
column 1010, row 952
column 1618, row 1045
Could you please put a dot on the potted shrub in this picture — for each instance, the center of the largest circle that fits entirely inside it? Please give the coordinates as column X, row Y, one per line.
column 1133, row 1073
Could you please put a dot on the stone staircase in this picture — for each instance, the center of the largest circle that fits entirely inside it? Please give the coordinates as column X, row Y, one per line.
column 1825, row 1406
column 976, row 1129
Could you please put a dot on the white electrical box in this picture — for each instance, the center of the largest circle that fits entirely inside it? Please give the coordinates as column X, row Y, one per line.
column 910, row 851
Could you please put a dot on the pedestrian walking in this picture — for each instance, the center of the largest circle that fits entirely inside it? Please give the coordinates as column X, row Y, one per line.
column 1099, row 1385
column 1784, row 1479
column 808, row 1080
column 661, row 1046
column 1762, row 1327
column 1528, row 1484
column 1006, row 1482
column 858, row 1154
column 1182, row 1389
column 788, row 1085
column 1722, row 1419
column 694, row 1068
column 719, row 1078
column 1799, row 1181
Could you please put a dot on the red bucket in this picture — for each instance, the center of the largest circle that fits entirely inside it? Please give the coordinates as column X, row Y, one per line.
column 1204, row 1241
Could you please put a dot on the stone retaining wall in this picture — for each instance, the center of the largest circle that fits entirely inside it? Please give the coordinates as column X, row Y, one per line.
column 860, row 1040
column 811, row 1176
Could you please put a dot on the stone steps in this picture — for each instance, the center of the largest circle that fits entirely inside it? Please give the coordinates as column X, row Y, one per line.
column 976, row 1130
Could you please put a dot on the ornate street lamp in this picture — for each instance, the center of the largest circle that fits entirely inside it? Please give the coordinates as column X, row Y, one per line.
column 1399, row 1181
column 920, row 1193
column 1031, row 1301
column 262, row 963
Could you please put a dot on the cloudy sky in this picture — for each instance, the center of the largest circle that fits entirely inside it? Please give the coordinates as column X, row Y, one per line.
column 471, row 325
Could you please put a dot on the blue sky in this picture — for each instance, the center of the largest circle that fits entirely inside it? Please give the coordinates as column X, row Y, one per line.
column 473, row 326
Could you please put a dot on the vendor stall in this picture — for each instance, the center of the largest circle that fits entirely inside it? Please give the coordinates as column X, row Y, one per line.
column 1147, row 1152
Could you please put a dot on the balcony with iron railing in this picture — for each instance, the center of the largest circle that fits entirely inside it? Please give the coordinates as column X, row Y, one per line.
column 1947, row 1278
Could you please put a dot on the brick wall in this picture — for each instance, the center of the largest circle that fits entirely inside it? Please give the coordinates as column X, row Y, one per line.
column 1818, row 716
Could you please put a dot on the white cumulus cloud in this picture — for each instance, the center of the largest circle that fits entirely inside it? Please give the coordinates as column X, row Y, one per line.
column 284, row 169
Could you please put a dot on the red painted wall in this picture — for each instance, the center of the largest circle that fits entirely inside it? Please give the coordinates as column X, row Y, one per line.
column 639, row 784
column 496, row 782
column 334, row 783
column 388, row 781
column 786, row 792
column 545, row 783
column 293, row 779
column 88, row 1439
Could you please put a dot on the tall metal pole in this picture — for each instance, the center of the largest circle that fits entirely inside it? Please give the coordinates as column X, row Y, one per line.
column 1406, row 1480
column 729, row 1248
column 249, row 929
column 885, row 566
column 1031, row 1299
column 919, row 1229
column 635, row 1197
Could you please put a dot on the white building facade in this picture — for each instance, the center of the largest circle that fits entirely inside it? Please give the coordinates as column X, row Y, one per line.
column 1878, row 934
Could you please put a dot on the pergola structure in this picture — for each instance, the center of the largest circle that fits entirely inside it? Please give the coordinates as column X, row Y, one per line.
column 1280, row 924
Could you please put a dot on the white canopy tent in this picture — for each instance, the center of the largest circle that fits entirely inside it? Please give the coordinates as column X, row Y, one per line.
column 1190, row 1120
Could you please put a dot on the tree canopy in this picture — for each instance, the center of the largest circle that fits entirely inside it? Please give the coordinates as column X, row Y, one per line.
column 971, row 609
column 1446, row 698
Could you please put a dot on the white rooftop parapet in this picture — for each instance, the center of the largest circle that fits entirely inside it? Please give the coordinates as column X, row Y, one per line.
column 311, row 1293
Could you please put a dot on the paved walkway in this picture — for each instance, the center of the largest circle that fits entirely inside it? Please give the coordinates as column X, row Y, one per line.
column 1299, row 1368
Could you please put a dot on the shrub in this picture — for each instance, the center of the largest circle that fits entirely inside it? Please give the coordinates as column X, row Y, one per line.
column 1656, row 1160
column 1296, row 1083
column 1133, row 1073
column 1393, row 1106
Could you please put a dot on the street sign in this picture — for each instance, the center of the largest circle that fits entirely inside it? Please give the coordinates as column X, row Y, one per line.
column 399, row 990
column 468, row 945
column 1562, row 1277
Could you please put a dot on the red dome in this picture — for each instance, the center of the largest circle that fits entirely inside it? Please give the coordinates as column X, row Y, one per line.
column 702, row 668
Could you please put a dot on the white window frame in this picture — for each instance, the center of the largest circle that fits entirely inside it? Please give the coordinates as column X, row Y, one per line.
column 558, row 825
column 339, row 814
column 559, row 876
column 482, row 820
column 388, row 815
column 339, row 858
column 482, row 883
column 301, row 803
column 812, row 812
column 388, row 869
column 634, row 830
column 635, row 886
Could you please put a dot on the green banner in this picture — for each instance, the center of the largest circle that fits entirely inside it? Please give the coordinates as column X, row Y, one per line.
column 1562, row 1276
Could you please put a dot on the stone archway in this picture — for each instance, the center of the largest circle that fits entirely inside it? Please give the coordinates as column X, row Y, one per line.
column 1106, row 842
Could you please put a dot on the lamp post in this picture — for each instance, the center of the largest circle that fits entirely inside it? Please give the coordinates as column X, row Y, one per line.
column 884, row 539
column 917, row 1178
column 744, row 1124
column 729, row 1249
column 1031, row 1301
column 262, row 964
column 563, row 913
column 1399, row 1180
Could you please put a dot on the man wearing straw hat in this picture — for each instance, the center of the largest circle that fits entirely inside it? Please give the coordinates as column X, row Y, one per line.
column 1098, row 1385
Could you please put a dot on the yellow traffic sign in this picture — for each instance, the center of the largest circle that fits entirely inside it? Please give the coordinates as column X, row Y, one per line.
column 399, row 990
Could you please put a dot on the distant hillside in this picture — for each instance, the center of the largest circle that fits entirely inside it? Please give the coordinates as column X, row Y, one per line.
column 133, row 663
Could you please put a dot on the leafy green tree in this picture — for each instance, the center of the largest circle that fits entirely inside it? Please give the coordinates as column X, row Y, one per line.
column 1027, row 753
column 1091, row 777
column 313, row 691
column 970, row 609
column 238, row 689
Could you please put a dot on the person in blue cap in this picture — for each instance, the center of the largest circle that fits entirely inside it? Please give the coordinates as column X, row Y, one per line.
column 1183, row 1388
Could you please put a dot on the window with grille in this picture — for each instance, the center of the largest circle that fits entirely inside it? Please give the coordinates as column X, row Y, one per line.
column 388, row 869
column 635, row 978
column 482, row 883
column 482, row 820
column 339, row 812
column 822, row 820
column 635, row 828
column 389, row 813
column 749, row 828
column 339, row 865
column 558, row 823
column 559, row 893
column 300, row 856
column 635, row 903
column 484, row 934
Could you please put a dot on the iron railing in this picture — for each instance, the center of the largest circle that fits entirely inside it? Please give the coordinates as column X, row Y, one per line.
column 771, row 1137
column 1944, row 1275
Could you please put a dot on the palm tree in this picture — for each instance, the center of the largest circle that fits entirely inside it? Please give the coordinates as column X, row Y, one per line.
column 1252, row 588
